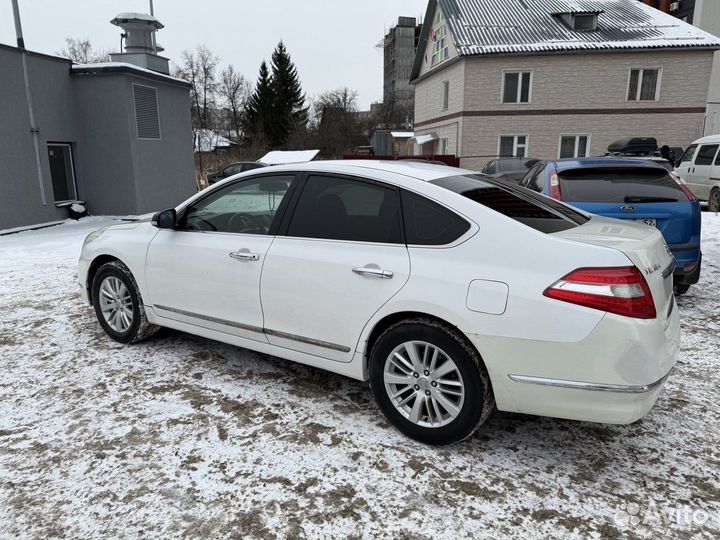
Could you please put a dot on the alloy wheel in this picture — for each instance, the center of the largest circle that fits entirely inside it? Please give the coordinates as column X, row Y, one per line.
column 424, row 384
column 714, row 202
column 116, row 304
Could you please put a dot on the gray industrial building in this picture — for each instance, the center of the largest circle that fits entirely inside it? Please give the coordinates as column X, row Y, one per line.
column 114, row 136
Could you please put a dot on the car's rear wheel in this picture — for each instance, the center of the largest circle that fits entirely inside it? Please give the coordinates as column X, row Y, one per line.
column 429, row 382
column 679, row 290
column 118, row 305
column 714, row 200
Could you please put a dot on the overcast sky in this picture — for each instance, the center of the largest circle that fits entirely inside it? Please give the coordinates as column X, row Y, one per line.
column 332, row 42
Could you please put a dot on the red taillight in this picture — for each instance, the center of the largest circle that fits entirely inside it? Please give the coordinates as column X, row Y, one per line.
column 683, row 186
column 555, row 187
column 621, row 290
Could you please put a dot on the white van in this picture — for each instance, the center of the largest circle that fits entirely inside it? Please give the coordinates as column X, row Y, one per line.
column 699, row 166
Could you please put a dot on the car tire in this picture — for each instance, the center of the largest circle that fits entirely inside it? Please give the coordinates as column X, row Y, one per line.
column 118, row 305
column 714, row 200
column 428, row 399
column 679, row 290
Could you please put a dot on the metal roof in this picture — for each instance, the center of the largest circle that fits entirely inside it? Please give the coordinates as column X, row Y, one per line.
column 480, row 27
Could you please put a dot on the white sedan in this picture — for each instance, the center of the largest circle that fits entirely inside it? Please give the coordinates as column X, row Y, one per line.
column 451, row 293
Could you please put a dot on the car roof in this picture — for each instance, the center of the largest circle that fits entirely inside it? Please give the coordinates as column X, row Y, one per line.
column 609, row 161
column 708, row 139
column 413, row 169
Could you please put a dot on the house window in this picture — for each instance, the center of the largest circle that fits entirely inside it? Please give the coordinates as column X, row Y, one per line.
column 513, row 146
column 446, row 95
column 147, row 114
column 440, row 50
column 516, row 86
column 574, row 146
column 644, row 85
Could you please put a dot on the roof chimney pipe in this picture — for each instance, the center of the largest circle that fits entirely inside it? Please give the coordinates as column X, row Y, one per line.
column 140, row 47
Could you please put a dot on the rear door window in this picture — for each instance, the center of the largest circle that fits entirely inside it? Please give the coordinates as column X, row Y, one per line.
column 527, row 207
column 341, row 208
column 619, row 185
column 706, row 154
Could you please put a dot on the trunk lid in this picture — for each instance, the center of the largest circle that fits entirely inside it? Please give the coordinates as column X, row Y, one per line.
column 643, row 245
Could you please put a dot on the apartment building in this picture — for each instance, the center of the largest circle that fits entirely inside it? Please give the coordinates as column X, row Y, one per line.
column 556, row 78
column 399, row 46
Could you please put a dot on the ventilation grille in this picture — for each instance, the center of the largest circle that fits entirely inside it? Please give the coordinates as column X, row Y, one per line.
column 147, row 117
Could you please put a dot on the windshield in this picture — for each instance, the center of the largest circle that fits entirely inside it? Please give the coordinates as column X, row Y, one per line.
column 527, row 207
column 620, row 185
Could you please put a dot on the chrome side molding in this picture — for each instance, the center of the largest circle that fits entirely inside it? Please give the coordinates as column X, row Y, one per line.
column 309, row 341
column 596, row 387
column 251, row 328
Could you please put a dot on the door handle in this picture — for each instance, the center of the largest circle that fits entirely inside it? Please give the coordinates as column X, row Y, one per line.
column 244, row 255
column 373, row 270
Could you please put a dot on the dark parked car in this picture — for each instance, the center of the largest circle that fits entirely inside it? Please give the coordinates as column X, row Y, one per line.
column 235, row 168
column 508, row 169
column 631, row 189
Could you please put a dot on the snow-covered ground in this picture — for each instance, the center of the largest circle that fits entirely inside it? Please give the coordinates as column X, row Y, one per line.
column 184, row 437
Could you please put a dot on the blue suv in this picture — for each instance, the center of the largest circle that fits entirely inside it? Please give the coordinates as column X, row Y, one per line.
column 635, row 189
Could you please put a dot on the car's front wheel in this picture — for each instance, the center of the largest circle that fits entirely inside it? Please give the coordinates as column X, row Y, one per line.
column 429, row 382
column 118, row 305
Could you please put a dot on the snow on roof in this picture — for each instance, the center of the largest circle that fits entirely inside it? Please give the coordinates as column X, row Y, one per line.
column 280, row 157
column 123, row 66
column 425, row 138
column 401, row 134
column 127, row 17
column 481, row 27
column 207, row 140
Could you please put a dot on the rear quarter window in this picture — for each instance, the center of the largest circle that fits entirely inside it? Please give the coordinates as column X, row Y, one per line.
column 619, row 185
column 428, row 223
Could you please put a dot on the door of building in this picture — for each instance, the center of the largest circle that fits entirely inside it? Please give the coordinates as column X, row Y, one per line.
column 62, row 172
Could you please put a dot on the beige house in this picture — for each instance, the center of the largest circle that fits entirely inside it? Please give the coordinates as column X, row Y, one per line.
column 556, row 78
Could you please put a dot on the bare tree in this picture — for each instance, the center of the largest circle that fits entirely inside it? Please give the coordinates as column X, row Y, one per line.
column 234, row 90
column 198, row 68
column 81, row 51
column 335, row 119
column 395, row 113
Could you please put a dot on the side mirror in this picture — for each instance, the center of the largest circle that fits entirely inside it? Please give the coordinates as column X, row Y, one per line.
column 167, row 219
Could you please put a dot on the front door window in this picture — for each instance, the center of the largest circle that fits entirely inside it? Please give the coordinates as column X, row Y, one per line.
column 62, row 173
column 247, row 207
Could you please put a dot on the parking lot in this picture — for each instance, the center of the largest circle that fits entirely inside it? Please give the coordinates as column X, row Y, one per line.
column 180, row 436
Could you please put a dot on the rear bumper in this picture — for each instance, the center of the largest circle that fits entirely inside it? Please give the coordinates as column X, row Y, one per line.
column 613, row 376
column 687, row 271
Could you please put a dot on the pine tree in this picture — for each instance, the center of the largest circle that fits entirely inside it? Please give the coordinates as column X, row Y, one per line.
column 259, row 118
column 289, row 111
